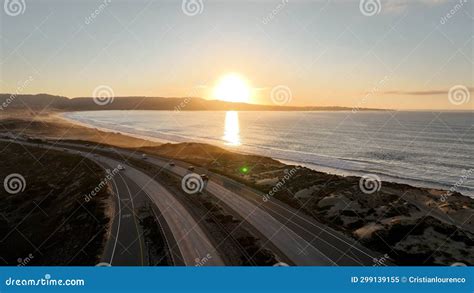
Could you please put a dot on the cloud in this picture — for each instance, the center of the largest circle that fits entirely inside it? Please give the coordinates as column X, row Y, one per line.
column 422, row 93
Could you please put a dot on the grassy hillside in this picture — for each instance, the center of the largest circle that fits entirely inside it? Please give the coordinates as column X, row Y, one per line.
column 49, row 222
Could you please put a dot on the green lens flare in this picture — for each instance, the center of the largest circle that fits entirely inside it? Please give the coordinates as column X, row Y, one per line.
column 244, row 170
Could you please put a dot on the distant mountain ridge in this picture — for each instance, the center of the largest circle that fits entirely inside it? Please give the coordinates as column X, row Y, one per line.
column 60, row 103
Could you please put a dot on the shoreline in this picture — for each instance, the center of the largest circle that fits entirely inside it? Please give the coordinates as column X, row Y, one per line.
column 60, row 116
column 389, row 211
column 320, row 166
column 383, row 177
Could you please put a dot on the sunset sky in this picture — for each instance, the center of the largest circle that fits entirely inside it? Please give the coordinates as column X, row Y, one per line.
column 328, row 53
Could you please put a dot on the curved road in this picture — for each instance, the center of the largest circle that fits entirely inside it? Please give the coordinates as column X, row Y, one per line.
column 125, row 246
column 302, row 239
column 191, row 240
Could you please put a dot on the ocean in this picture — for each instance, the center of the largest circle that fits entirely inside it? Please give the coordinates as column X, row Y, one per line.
column 427, row 149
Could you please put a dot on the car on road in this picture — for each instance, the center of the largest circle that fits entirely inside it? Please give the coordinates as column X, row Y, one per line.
column 191, row 168
column 172, row 164
column 120, row 167
column 204, row 177
column 144, row 156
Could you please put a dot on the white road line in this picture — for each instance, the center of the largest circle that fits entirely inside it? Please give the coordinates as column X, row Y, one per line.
column 182, row 224
column 133, row 213
column 118, row 225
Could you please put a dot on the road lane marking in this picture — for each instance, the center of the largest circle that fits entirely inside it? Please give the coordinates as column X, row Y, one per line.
column 134, row 218
column 118, row 225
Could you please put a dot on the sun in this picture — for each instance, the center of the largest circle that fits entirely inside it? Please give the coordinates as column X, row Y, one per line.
column 232, row 88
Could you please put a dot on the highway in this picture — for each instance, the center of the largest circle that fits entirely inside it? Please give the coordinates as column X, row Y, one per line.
column 193, row 243
column 301, row 238
column 125, row 245
column 341, row 249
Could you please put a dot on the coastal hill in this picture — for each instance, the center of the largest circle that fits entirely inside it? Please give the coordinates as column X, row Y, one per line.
column 60, row 103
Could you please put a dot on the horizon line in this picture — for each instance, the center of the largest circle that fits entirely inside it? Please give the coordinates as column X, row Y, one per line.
column 248, row 103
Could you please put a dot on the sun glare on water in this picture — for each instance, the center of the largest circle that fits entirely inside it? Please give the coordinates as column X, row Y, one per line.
column 232, row 128
column 232, row 88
